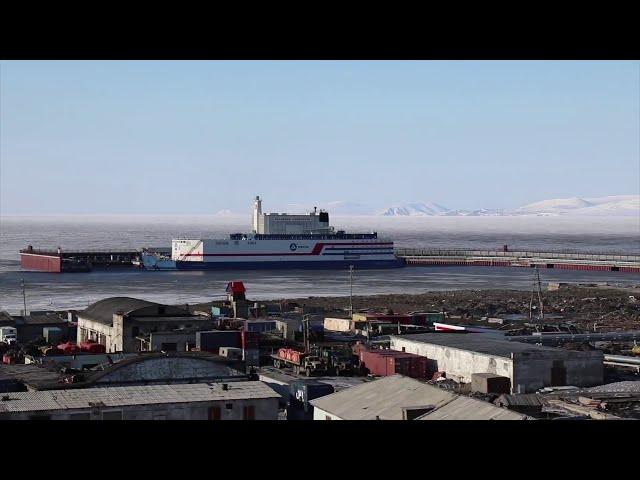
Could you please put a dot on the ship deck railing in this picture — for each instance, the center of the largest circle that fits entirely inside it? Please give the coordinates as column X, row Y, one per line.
column 319, row 236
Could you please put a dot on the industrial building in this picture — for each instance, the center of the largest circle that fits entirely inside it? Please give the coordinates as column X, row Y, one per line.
column 124, row 324
column 529, row 367
column 287, row 224
column 251, row 400
column 403, row 398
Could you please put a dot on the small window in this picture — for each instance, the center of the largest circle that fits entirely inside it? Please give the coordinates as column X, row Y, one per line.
column 112, row 415
column 327, row 417
column 228, row 406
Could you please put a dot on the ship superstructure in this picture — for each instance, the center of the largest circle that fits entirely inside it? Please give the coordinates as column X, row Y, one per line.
column 280, row 240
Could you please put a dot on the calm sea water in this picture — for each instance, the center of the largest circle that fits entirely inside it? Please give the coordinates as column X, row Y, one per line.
column 76, row 290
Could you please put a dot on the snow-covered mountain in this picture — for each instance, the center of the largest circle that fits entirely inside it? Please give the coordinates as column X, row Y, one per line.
column 616, row 205
column 555, row 205
column 427, row 209
column 483, row 212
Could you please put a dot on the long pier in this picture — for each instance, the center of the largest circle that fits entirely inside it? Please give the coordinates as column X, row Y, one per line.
column 504, row 258
column 86, row 260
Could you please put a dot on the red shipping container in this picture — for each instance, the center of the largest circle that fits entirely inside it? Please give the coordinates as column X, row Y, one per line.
column 390, row 362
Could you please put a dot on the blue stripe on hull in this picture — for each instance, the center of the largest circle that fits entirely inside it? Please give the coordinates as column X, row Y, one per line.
column 319, row 265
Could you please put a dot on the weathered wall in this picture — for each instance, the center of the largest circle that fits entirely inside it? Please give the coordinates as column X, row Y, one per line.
column 459, row 364
column 182, row 340
column 545, row 369
column 121, row 335
column 528, row 371
column 91, row 329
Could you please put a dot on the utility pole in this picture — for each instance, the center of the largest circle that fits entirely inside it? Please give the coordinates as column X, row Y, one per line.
column 350, row 291
column 536, row 286
column 305, row 321
column 24, row 298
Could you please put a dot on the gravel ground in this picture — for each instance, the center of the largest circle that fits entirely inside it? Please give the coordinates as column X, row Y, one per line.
column 611, row 308
column 626, row 387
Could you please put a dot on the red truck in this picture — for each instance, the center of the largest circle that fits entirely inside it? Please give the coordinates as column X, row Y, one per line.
column 300, row 362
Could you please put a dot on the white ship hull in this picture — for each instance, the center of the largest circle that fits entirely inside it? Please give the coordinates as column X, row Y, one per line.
column 294, row 252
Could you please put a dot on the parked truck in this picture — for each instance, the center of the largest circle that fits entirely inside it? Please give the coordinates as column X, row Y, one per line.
column 8, row 335
column 338, row 360
column 300, row 362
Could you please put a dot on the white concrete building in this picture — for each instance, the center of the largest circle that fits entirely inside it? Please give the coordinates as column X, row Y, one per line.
column 529, row 367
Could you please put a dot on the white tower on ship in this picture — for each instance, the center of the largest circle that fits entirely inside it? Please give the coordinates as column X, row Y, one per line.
column 257, row 212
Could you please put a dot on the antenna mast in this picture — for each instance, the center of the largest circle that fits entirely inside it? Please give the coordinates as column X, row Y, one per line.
column 24, row 298
column 351, row 291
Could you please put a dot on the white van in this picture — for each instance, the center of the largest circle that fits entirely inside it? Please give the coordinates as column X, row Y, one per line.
column 8, row 335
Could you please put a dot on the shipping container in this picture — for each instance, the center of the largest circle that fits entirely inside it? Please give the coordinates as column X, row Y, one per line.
column 212, row 340
column 391, row 362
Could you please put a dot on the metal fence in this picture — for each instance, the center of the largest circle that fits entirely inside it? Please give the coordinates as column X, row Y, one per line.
column 416, row 252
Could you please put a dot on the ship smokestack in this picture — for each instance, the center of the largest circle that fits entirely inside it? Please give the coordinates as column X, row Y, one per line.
column 257, row 212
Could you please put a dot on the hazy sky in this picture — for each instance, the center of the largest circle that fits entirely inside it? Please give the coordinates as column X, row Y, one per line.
column 198, row 137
